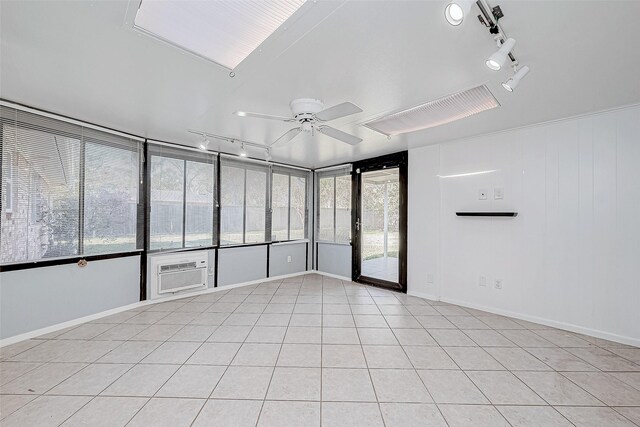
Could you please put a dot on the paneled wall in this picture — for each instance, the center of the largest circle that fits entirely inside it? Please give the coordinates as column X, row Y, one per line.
column 571, row 256
column 334, row 258
column 39, row 297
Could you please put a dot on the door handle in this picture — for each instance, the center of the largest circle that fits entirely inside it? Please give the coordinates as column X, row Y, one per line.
column 358, row 224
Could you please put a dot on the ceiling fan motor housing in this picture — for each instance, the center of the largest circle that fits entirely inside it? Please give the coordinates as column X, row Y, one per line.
column 304, row 109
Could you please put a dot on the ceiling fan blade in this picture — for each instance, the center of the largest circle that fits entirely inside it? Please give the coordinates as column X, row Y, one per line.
column 339, row 135
column 263, row 116
column 286, row 138
column 337, row 111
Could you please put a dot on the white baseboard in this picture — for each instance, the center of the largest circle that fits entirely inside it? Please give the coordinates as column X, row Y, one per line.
column 335, row 276
column 546, row 322
column 75, row 322
column 560, row 325
column 424, row 295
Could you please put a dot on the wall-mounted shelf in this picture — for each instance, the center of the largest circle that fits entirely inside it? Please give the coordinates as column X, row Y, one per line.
column 509, row 214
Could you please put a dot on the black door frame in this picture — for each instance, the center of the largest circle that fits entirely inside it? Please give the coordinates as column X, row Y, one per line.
column 397, row 160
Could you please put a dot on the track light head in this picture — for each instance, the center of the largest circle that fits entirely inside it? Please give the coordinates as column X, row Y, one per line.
column 456, row 11
column 204, row 144
column 243, row 152
column 267, row 155
column 514, row 80
column 497, row 60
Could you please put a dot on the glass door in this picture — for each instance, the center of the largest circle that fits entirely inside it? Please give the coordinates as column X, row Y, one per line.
column 380, row 221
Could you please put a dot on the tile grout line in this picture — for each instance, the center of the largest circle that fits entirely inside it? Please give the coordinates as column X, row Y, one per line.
column 593, row 345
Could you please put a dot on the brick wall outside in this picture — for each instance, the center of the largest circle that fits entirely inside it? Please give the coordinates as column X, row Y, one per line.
column 20, row 239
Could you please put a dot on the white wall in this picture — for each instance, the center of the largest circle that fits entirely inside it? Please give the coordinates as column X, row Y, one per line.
column 279, row 262
column 572, row 255
column 241, row 264
column 335, row 258
column 39, row 297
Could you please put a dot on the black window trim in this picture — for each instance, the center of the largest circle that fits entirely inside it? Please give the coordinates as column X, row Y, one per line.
column 142, row 226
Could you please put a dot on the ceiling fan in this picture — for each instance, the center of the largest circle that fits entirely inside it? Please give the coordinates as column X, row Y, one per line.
column 310, row 114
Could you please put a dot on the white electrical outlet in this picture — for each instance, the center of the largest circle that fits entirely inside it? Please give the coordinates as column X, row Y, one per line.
column 289, row 258
column 482, row 194
column 482, row 281
column 429, row 278
column 498, row 193
column 498, row 284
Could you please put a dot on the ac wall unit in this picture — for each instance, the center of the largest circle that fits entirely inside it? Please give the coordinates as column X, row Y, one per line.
column 181, row 272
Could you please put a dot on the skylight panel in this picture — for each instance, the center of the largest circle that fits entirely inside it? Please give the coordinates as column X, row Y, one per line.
column 225, row 31
column 435, row 113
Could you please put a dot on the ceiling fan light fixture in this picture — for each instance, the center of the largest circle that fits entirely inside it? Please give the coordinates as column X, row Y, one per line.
column 498, row 58
column 310, row 115
column 456, row 11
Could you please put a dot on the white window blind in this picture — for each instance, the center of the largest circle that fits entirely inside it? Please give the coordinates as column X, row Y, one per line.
column 333, row 190
column 67, row 189
column 244, row 202
column 183, row 198
column 289, row 203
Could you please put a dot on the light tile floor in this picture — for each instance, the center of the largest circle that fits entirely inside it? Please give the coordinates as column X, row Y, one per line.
column 312, row 351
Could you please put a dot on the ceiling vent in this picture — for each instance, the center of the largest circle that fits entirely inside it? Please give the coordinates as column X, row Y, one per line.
column 435, row 113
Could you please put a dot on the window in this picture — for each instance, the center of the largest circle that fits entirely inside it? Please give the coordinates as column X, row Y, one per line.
column 334, row 205
column 243, row 202
column 71, row 190
column 111, row 199
column 7, row 183
column 182, row 184
column 288, row 204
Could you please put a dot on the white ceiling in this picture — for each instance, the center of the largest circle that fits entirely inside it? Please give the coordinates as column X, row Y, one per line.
column 81, row 59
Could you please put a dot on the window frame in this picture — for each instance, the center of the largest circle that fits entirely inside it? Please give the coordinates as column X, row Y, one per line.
column 290, row 173
column 245, row 166
column 83, row 131
column 57, row 126
column 334, row 173
column 184, row 154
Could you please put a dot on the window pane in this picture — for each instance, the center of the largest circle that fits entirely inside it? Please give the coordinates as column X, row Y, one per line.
column 298, row 207
column 256, row 206
column 343, row 208
column 326, row 206
column 231, row 204
column 167, row 183
column 40, row 212
column 280, row 207
column 199, row 221
column 110, row 199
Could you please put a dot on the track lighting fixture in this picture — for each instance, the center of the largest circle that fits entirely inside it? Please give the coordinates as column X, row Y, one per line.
column 267, row 155
column 457, row 10
column 514, row 80
column 204, row 144
column 497, row 60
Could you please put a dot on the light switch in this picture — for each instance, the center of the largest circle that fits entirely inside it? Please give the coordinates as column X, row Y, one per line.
column 482, row 194
column 498, row 193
